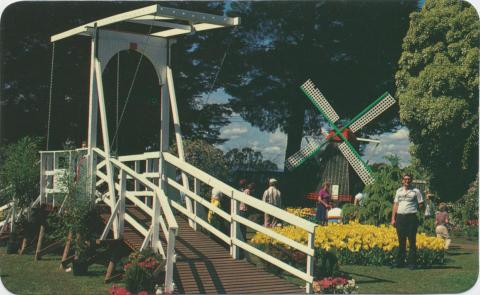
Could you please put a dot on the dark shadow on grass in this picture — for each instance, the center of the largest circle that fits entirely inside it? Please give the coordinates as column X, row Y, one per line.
column 458, row 253
column 372, row 279
column 442, row 267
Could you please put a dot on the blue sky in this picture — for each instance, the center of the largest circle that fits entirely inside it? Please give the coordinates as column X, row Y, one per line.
column 273, row 145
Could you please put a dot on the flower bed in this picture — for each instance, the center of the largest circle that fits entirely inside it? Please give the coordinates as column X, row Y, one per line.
column 356, row 243
column 338, row 285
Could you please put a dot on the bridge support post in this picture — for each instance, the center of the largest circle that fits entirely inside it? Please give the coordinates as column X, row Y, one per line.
column 170, row 262
column 121, row 208
column 234, row 228
column 311, row 245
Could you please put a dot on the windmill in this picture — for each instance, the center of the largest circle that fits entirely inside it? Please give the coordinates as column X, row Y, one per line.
column 341, row 136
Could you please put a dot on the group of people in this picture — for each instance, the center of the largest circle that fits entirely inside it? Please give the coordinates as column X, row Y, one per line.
column 406, row 205
column 271, row 195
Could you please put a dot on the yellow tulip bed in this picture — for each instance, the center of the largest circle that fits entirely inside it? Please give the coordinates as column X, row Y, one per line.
column 355, row 243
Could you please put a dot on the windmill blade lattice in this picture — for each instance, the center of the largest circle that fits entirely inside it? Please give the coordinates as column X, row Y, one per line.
column 363, row 118
column 304, row 153
column 357, row 164
column 319, row 101
column 374, row 112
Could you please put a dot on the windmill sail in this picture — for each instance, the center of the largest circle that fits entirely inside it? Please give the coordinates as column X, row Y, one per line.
column 304, row 153
column 374, row 112
column 357, row 164
column 319, row 101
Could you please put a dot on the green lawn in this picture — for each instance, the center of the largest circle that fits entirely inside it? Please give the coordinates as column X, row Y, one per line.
column 457, row 275
column 22, row 275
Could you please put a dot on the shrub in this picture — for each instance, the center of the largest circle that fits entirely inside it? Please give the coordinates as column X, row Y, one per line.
column 142, row 271
column 19, row 171
column 464, row 212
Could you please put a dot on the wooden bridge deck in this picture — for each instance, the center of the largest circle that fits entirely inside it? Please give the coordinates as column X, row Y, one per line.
column 204, row 266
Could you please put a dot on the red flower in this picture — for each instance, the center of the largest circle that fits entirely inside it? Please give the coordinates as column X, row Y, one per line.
column 118, row 291
column 339, row 281
column 326, row 283
column 142, row 293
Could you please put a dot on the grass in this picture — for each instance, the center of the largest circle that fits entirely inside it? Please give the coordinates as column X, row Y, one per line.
column 459, row 274
column 22, row 275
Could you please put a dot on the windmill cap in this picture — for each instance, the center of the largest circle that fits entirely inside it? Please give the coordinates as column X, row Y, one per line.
column 272, row 181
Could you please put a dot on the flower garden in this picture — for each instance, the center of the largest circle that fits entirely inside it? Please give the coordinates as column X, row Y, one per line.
column 353, row 243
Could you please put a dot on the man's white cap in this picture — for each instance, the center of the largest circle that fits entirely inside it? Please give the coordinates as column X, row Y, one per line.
column 272, row 181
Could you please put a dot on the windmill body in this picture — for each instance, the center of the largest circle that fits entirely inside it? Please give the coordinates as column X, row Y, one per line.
column 340, row 138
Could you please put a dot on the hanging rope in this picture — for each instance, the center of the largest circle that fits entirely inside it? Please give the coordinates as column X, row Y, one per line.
column 133, row 82
column 50, row 97
column 221, row 65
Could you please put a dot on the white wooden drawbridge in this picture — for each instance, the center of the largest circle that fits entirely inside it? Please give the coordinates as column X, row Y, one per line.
column 146, row 180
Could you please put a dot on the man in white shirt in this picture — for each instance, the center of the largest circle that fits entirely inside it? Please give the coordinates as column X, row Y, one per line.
column 272, row 196
column 359, row 199
column 404, row 217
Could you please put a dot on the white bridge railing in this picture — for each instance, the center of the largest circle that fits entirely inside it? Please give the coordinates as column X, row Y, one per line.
column 136, row 179
column 159, row 210
column 148, row 161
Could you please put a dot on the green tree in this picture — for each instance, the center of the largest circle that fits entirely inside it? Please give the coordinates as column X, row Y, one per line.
column 247, row 159
column 25, row 93
column 347, row 48
column 377, row 207
column 19, row 172
column 437, row 87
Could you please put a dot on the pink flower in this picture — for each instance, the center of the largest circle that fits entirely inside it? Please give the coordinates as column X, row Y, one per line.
column 142, row 293
column 326, row 283
column 118, row 291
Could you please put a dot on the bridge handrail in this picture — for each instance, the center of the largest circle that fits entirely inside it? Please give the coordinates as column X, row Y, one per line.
column 164, row 203
column 240, row 196
column 234, row 218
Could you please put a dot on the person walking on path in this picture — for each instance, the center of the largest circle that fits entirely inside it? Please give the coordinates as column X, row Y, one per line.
column 441, row 221
column 429, row 205
column 243, row 210
column 323, row 204
column 272, row 196
column 408, row 200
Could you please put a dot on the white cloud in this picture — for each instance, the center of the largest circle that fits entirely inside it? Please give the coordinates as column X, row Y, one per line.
column 391, row 143
column 235, row 130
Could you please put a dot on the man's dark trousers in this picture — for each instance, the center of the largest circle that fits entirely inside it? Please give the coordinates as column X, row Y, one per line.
column 407, row 225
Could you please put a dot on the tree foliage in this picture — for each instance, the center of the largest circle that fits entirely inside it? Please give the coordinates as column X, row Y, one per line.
column 25, row 93
column 377, row 206
column 247, row 159
column 345, row 47
column 437, row 87
column 19, row 171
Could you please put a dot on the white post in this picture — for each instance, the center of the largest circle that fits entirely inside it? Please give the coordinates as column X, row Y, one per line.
column 311, row 245
column 170, row 260
column 121, row 208
column 148, row 169
column 178, row 136
column 196, row 190
column 106, row 140
column 137, row 170
column 155, row 221
column 43, row 181
column 92, row 119
column 12, row 222
column 234, row 228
